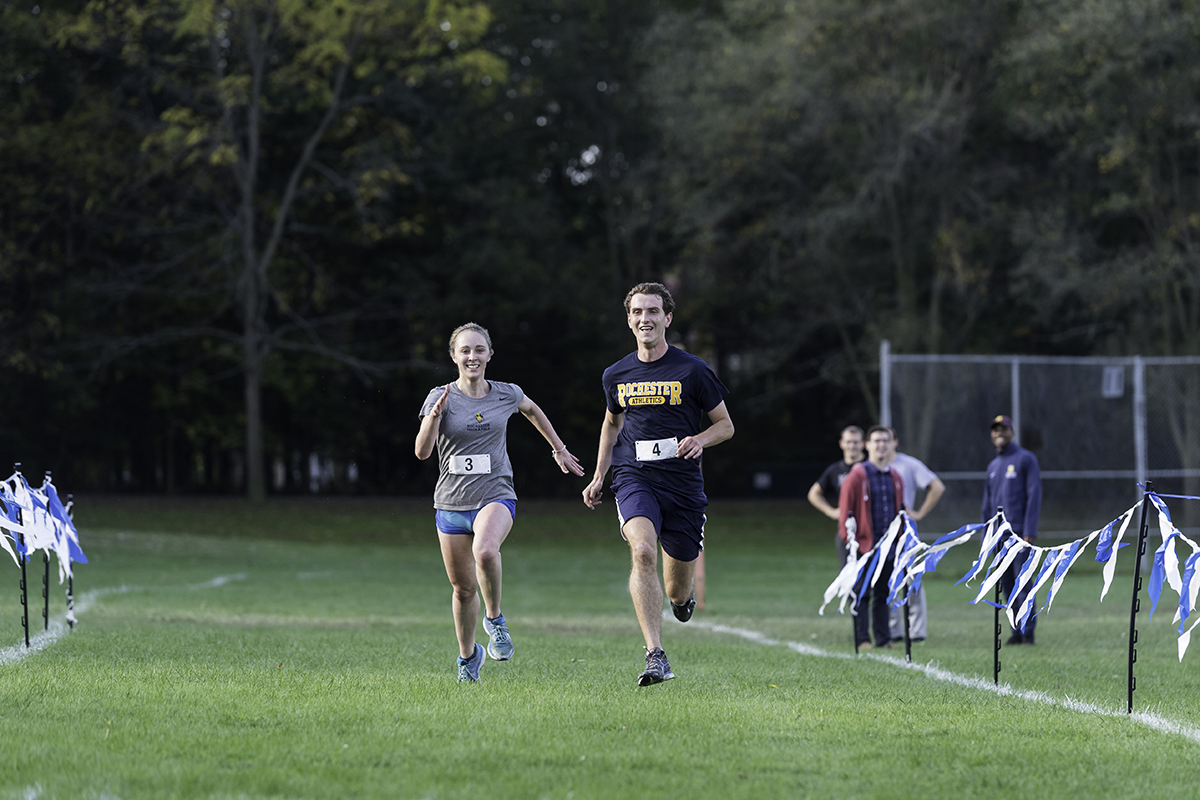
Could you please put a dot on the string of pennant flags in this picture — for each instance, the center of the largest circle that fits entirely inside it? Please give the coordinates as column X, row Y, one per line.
column 36, row 519
column 1045, row 565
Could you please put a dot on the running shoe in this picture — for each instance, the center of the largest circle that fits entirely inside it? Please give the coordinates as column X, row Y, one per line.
column 468, row 669
column 684, row 612
column 500, row 646
column 658, row 669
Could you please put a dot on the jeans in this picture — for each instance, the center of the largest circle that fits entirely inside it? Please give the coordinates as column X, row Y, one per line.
column 1009, row 580
column 872, row 606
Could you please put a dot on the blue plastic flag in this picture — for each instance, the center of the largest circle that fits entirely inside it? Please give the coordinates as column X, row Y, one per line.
column 1185, row 597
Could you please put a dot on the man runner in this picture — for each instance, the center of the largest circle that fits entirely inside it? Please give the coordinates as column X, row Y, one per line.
column 653, row 436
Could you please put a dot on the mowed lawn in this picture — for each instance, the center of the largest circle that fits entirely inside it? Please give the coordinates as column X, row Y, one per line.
column 306, row 650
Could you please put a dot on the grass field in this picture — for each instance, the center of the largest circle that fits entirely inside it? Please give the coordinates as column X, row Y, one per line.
column 306, row 650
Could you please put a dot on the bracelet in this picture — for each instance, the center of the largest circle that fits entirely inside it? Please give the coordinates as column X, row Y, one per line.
column 559, row 450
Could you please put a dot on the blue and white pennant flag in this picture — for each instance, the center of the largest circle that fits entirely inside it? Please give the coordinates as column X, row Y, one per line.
column 42, row 521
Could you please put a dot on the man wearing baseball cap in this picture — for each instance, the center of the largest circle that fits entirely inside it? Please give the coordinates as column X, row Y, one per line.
column 1014, row 481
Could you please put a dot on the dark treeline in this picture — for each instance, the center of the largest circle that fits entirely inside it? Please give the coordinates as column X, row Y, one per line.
column 235, row 236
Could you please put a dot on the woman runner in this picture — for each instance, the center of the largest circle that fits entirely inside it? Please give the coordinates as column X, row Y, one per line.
column 474, row 498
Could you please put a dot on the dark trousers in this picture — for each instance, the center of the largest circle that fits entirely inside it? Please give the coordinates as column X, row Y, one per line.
column 1009, row 580
column 872, row 610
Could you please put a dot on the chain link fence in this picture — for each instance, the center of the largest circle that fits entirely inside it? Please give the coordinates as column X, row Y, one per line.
column 1097, row 425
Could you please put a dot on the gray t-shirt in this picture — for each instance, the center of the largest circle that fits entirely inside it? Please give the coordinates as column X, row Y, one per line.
column 470, row 428
column 915, row 475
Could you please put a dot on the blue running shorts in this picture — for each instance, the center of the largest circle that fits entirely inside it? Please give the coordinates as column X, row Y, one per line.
column 678, row 519
column 464, row 521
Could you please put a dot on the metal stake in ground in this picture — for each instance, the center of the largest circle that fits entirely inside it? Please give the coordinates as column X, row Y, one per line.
column 907, row 636
column 71, row 577
column 1137, row 587
column 46, row 582
column 24, row 560
column 46, row 591
column 996, row 625
column 862, row 583
column 907, row 630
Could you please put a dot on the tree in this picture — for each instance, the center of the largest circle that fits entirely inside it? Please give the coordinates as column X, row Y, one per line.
column 1111, row 236
column 261, row 109
column 834, row 184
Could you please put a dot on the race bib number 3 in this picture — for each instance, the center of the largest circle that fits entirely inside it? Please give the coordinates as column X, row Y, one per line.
column 471, row 465
column 657, row 449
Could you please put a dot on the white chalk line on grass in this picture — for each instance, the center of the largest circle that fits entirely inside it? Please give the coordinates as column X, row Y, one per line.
column 58, row 626
column 1151, row 720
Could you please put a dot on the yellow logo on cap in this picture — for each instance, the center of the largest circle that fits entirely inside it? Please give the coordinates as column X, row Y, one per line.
column 999, row 418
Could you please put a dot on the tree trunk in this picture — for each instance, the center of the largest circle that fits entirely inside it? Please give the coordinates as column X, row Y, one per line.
column 256, row 488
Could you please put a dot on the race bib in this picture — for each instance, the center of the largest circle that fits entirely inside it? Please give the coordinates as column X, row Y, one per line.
column 657, row 449
column 471, row 465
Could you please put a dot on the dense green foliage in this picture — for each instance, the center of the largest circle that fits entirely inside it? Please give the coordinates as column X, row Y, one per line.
column 324, row 668
column 237, row 233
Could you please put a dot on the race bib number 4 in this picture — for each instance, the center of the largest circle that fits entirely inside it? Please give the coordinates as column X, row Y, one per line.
column 471, row 465
column 657, row 450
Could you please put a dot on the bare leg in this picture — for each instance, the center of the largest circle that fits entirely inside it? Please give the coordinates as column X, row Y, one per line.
column 644, row 586
column 700, row 581
column 678, row 579
column 492, row 525
column 460, row 568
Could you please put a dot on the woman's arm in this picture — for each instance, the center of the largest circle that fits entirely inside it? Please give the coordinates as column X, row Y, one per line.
column 427, row 435
column 566, row 462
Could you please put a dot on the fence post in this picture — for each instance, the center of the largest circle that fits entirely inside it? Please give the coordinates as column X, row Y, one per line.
column 1016, row 399
column 1137, row 587
column 885, row 382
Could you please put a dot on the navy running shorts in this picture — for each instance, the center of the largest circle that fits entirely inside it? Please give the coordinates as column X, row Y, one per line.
column 464, row 521
column 678, row 519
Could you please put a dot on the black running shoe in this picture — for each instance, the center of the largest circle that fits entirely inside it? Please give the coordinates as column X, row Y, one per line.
column 684, row 612
column 658, row 669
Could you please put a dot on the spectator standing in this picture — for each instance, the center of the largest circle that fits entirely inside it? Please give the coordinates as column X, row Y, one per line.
column 1014, row 482
column 825, row 493
column 872, row 495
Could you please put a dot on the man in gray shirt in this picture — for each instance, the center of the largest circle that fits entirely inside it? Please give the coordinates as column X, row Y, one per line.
column 916, row 476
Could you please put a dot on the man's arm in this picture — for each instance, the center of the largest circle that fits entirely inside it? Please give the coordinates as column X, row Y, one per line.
column 816, row 496
column 933, row 493
column 1033, row 497
column 847, row 523
column 720, row 430
column 609, row 430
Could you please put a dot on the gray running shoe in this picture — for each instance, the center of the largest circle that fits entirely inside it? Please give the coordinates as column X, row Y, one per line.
column 500, row 646
column 468, row 671
column 658, row 669
column 684, row 612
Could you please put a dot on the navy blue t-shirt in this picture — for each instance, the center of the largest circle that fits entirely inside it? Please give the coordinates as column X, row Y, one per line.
column 661, row 399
